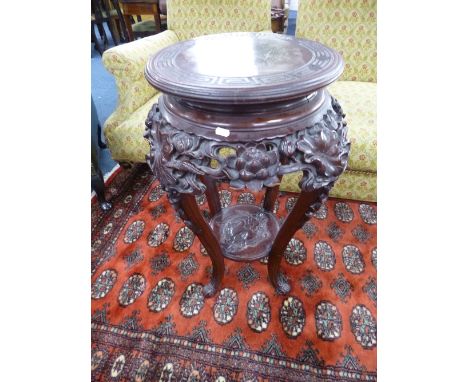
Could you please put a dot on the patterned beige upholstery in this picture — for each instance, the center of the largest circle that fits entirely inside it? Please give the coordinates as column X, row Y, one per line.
column 127, row 62
column 350, row 27
column 189, row 19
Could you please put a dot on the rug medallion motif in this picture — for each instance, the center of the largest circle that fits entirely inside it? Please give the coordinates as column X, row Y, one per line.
column 151, row 322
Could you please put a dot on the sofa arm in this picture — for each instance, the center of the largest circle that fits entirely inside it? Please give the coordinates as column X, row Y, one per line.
column 127, row 63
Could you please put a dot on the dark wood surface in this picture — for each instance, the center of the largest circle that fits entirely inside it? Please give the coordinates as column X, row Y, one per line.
column 253, row 122
column 307, row 203
column 198, row 224
column 107, row 11
column 263, row 96
column 245, row 231
column 212, row 195
column 140, row 7
column 247, row 68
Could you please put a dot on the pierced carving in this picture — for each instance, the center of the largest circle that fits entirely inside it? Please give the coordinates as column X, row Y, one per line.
column 321, row 151
column 254, row 166
column 173, row 155
column 178, row 158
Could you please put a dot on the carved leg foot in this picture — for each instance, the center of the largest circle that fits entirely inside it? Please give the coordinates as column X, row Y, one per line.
column 308, row 202
column 189, row 211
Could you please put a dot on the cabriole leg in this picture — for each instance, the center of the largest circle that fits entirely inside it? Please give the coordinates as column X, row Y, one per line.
column 197, row 223
column 308, row 203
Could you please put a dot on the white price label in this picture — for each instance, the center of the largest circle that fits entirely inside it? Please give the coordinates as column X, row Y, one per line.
column 222, row 132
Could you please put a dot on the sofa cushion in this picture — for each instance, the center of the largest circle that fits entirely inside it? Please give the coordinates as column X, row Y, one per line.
column 127, row 63
column 359, row 101
column 126, row 139
column 355, row 185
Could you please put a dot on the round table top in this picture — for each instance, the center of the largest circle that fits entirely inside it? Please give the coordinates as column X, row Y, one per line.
column 243, row 68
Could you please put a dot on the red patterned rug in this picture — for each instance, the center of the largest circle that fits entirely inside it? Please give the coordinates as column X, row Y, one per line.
column 150, row 321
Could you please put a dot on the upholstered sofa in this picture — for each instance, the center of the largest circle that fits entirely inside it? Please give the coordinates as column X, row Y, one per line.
column 190, row 18
column 349, row 26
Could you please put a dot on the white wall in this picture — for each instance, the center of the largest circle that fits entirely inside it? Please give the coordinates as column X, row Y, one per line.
column 293, row 4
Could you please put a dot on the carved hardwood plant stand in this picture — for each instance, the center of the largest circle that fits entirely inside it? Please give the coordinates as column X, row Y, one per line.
column 246, row 108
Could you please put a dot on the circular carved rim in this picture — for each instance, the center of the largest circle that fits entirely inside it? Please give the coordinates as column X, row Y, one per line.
column 245, row 126
column 314, row 67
